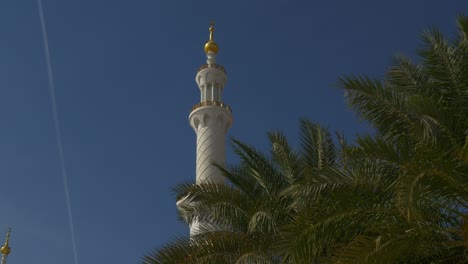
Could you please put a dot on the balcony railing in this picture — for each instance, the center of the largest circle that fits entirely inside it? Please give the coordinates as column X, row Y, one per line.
column 216, row 66
column 212, row 103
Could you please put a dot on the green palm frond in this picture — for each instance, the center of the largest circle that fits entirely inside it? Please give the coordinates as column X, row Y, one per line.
column 261, row 168
column 380, row 104
column 318, row 150
column 314, row 233
column 231, row 247
column 214, row 203
column 440, row 63
column 464, row 152
column 213, row 248
column 411, row 78
column 286, row 158
column 310, row 189
column 240, row 178
column 406, row 244
column 343, row 149
column 376, row 148
column 176, row 252
column 462, row 53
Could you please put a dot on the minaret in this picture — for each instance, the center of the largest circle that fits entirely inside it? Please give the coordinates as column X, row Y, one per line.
column 5, row 250
column 210, row 119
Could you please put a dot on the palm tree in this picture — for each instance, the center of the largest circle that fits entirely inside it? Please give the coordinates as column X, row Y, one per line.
column 251, row 208
column 404, row 197
column 420, row 113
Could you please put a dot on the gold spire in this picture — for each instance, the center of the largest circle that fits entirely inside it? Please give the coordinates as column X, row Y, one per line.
column 5, row 250
column 211, row 45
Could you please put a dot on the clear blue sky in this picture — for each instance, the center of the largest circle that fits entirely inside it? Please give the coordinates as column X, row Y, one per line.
column 124, row 74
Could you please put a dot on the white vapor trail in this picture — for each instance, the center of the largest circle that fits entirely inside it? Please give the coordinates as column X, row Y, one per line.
column 58, row 132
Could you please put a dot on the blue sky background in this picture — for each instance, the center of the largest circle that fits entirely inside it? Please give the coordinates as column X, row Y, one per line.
column 124, row 75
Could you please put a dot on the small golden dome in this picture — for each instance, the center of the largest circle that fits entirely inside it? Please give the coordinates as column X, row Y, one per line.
column 211, row 45
column 5, row 250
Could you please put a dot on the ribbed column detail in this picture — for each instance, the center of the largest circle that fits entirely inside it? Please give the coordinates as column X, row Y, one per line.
column 211, row 124
column 210, row 148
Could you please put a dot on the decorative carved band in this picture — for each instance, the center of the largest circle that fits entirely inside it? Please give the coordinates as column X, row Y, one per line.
column 216, row 66
column 212, row 103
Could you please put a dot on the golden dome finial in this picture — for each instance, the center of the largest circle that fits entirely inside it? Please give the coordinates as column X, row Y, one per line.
column 211, row 45
column 5, row 250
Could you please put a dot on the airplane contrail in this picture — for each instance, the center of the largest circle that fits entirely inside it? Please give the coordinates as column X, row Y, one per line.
column 58, row 133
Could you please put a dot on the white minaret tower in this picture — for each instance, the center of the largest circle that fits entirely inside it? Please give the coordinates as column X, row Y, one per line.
column 210, row 119
column 5, row 249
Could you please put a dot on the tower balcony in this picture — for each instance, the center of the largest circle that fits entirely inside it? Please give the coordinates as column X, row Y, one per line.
column 216, row 66
column 212, row 103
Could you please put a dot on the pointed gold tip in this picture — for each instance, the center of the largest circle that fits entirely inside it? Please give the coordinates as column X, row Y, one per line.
column 211, row 45
column 5, row 250
column 211, row 31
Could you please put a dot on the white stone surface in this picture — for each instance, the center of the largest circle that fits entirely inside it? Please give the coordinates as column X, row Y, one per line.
column 211, row 124
column 211, row 120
